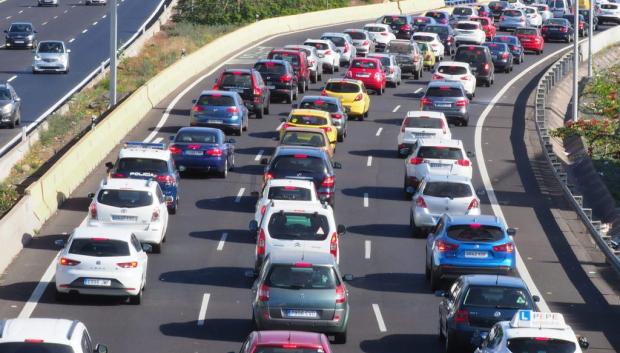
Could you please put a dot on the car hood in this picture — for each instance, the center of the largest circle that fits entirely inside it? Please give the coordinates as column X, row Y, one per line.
column 18, row 34
column 58, row 56
column 4, row 103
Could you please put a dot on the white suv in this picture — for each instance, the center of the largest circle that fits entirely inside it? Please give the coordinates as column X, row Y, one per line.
column 46, row 335
column 421, row 124
column 133, row 204
column 329, row 56
column 296, row 225
column 284, row 190
column 457, row 71
column 102, row 261
column 436, row 156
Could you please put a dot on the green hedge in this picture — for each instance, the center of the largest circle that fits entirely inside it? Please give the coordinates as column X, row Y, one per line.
column 223, row 12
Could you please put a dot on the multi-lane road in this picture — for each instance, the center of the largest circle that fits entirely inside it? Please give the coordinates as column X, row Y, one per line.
column 85, row 29
column 197, row 297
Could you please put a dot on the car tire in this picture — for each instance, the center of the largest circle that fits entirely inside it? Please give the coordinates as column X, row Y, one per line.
column 171, row 210
column 464, row 122
column 266, row 108
column 416, row 232
column 295, row 93
column 224, row 172
column 340, row 137
column 506, row 70
column 157, row 248
column 420, row 73
column 427, row 271
column 440, row 336
column 313, row 78
column 136, row 299
column 380, row 91
column 289, row 98
column 450, row 347
column 232, row 163
column 301, row 87
column 260, row 112
column 340, row 338
column 487, row 83
column 320, row 78
column 435, row 282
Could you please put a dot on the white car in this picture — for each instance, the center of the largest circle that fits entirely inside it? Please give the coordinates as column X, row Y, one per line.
column 132, row 204
column 46, row 335
column 47, row 3
column 316, row 74
column 459, row 72
column 469, row 32
column 439, row 194
column 329, row 56
column 421, row 124
column 609, row 13
column 51, row 56
column 534, row 19
column 296, row 225
column 344, row 43
column 102, row 261
column 544, row 11
column 284, row 190
column 381, row 33
column 95, row 2
column 436, row 156
column 515, row 4
column 433, row 40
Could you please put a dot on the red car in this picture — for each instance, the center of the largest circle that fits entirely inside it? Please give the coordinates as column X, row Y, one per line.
column 487, row 25
column 298, row 61
column 282, row 341
column 531, row 39
column 370, row 72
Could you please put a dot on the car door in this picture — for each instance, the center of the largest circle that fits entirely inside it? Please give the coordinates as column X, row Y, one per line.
column 430, row 241
column 449, row 304
column 163, row 208
column 140, row 255
column 86, row 344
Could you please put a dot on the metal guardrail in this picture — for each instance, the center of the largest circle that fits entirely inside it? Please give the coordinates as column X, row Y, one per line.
column 553, row 75
column 26, row 130
column 459, row 2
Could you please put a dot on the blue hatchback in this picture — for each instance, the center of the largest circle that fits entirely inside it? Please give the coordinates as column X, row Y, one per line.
column 515, row 47
column 461, row 245
column 202, row 148
column 224, row 110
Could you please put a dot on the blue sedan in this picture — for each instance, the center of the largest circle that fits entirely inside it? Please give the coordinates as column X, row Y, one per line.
column 462, row 245
column 224, row 110
column 515, row 47
column 202, row 148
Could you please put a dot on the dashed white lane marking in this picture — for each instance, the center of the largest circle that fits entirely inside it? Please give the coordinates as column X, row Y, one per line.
column 365, row 199
column 66, row 11
column 220, row 245
column 36, row 295
column 8, row 17
column 44, row 23
column 396, row 109
column 71, row 40
column 158, row 140
column 95, row 23
column 21, row 11
column 259, row 155
column 84, row 31
column 367, row 249
column 12, row 78
column 73, row 6
column 418, row 90
column 369, row 162
column 380, row 322
column 104, row 16
column 55, row 17
column 239, row 194
column 202, row 314
column 379, row 131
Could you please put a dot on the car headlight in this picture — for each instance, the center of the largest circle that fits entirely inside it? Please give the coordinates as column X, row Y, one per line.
column 30, row 36
column 6, row 109
column 37, row 58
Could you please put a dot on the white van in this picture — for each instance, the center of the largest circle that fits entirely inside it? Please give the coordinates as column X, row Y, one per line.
column 559, row 7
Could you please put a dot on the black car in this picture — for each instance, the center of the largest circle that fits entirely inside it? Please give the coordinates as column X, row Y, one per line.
column 497, row 8
column 501, row 55
column 20, row 34
column 475, row 303
column 306, row 163
column 9, row 106
column 449, row 98
column 446, row 35
column 250, row 86
column 402, row 25
column 557, row 29
column 586, row 17
column 583, row 25
column 280, row 78
column 515, row 47
column 480, row 60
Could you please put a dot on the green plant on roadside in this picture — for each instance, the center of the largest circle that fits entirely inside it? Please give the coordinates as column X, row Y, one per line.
column 8, row 197
column 603, row 91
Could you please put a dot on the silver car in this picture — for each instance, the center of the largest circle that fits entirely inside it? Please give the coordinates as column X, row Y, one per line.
column 47, row 2
column 51, row 56
column 438, row 194
column 362, row 40
column 511, row 19
column 95, row 2
column 9, row 106
column 390, row 66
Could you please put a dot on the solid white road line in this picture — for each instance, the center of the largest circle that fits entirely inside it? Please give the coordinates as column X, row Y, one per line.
column 220, row 245
column 84, row 31
column 104, row 16
column 365, row 199
column 380, row 322
column 202, row 314
column 418, row 90
column 367, row 249
column 8, row 17
column 36, row 295
column 239, row 194
column 71, row 40
column 259, row 155
column 158, row 140
column 396, row 109
column 12, row 78
column 379, row 131
column 369, row 162
column 95, row 23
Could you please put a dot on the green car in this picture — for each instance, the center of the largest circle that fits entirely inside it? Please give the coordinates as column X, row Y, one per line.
column 301, row 290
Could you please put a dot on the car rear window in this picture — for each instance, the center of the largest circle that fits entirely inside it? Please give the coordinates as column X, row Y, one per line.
column 319, row 104
column 357, row 35
column 302, row 138
column 512, row 13
column 141, row 167
column 289, row 193
column 270, row 67
column 298, row 226
column 236, row 79
column 99, row 247
column 342, row 87
column 436, row 15
column 338, row 41
column 496, row 47
column 400, row 47
column 540, row 345
column 423, row 47
column 497, row 297
column 363, row 64
column 526, row 31
column 505, row 39
column 483, row 21
column 396, row 20
column 462, row 11
column 446, row 189
column 475, row 232
column 295, row 349
column 555, row 22
column 452, row 70
column 25, row 347
column 5, row 94
column 439, row 152
column 307, row 120
column 436, row 29
column 530, row 10
column 444, row 91
column 497, row 5
column 466, row 26
column 20, row 27
column 196, row 137
column 556, row 4
column 318, row 45
column 124, row 198
column 299, row 162
column 473, row 55
column 422, row 38
column 216, row 100
column 290, row 57
column 609, row 6
column 375, row 29
column 421, row 20
column 423, row 122
column 302, row 276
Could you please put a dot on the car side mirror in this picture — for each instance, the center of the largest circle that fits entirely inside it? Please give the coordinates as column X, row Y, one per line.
column 253, row 227
column 194, row 101
column 91, row 195
column 337, row 165
column 535, row 298
column 347, row 277
column 255, row 194
column 101, row 348
column 264, row 161
column 60, row 243
column 109, row 165
column 232, row 141
column 147, row 248
column 511, row 231
column 341, row 229
column 17, row 99
column 441, row 293
column 295, row 105
column 583, row 342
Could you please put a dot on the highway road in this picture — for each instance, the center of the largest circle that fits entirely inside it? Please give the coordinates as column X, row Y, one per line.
column 197, row 297
column 85, row 29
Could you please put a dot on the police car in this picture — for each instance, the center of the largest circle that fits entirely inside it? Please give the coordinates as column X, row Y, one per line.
column 532, row 331
column 139, row 160
column 46, row 335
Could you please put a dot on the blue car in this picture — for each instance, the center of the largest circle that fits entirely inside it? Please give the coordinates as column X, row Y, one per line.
column 224, row 110
column 461, row 245
column 515, row 46
column 557, row 29
column 420, row 23
column 204, row 149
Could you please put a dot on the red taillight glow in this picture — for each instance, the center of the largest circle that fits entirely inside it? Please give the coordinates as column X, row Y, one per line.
column 337, row 116
column 92, row 210
column 155, row 215
column 68, row 262
column 262, row 209
column 302, row 264
column 443, row 246
column 214, row 152
column 437, row 77
column 263, row 293
column 420, row 202
column 333, row 245
column 359, row 97
column 232, row 110
column 507, row 248
column 118, row 175
column 405, row 27
column 326, row 128
column 257, row 91
column 166, row 179
column 473, row 204
column 462, row 103
column 461, row 317
column 33, row 340
column 289, row 346
column 174, row 149
column 131, row 264
column 465, row 78
column 486, row 67
column 197, row 108
column 564, row 29
column 286, row 78
column 340, row 294
column 323, row 93
column 426, row 101
column 268, row 176
column 504, row 55
column 365, row 42
column 463, row 162
column 349, row 74
column 328, row 182
column 260, row 243
column 416, row 160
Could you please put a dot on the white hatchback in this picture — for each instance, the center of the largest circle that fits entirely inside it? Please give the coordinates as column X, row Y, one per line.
column 284, row 190
column 102, row 261
column 132, row 204
column 421, row 124
column 469, row 32
column 456, row 71
column 534, row 19
column 329, row 56
column 433, row 40
column 381, row 33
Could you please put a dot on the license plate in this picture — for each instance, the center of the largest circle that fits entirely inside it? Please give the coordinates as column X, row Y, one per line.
column 439, row 165
column 97, row 282
column 476, row 254
column 363, row 75
column 494, row 57
column 525, row 39
column 19, row 42
column 216, row 121
column 443, row 105
column 124, row 218
column 271, row 87
column 194, row 153
column 305, row 314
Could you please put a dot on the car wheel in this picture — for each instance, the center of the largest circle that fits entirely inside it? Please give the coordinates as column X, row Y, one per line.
column 380, row 91
column 156, row 248
column 171, row 210
column 266, row 109
column 421, row 73
column 427, row 271
column 487, row 83
column 289, row 98
column 416, row 232
column 340, row 338
column 320, row 77
column 301, row 87
column 416, row 75
column 260, row 112
column 313, row 78
column 434, row 280
column 464, row 122
column 136, row 299
column 232, row 162
column 340, row 137
column 224, row 172
column 12, row 124
column 295, row 93
column 506, row 70
column 450, row 346
column 441, row 336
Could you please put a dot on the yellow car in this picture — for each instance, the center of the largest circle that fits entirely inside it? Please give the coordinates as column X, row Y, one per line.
column 314, row 119
column 352, row 94
column 428, row 55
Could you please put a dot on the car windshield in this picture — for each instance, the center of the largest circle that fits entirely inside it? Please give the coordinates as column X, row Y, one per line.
column 295, row 349
column 342, row 87
column 298, row 226
column 299, row 162
column 142, row 166
column 440, row 152
column 318, row 45
column 452, row 70
column 375, row 29
column 609, row 6
column 302, row 138
column 473, row 55
column 512, row 13
column 526, row 31
column 475, row 232
column 196, row 137
column 466, row 26
column 462, row 11
column 400, row 47
column 444, row 91
column 357, row 35
column 436, row 29
column 363, row 64
column 50, row 47
column 497, row 297
column 99, row 247
column 435, row 15
column 26, row 347
column 270, row 67
column 301, row 276
column 20, row 27
column 446, row 189
column 319, row 104
column 5, row 94
column 338, row 41
column 290, row 57
column 291, row 193
column 394, row 20
column 423, row 122
column 216, row 100
column 483, row 21
column 540, row 345
column 124, row 198
column 422, row 38
column 236, row 79
column 530, row 10
column 307, row 120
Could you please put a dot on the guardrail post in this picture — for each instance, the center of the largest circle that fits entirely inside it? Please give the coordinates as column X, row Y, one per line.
column 587, row 212
column 563, row 178
column 579, row 200
column 24, row 133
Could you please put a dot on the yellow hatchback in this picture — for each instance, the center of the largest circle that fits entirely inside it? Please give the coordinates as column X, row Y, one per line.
column 352, row 94
column 314, row 119
column 428, row 55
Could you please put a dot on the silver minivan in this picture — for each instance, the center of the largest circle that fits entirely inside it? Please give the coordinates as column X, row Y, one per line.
column 558, row 7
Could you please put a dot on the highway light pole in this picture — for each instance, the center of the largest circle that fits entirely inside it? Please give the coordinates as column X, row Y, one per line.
column 590, row 35
column 576, row 62
column 113, row 43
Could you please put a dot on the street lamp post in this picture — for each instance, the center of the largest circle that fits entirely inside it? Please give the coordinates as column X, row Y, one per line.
column 590, row 35
column 113, row 44
column 576, row 62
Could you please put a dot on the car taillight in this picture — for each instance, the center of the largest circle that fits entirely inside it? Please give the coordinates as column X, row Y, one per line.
column 391, row 70
column 365, row 42
column 486, row 67
column 257, row 91
column 323, row 93
column 564, row 29
column 349, row 74
column 504, row 55
column 214, row 152
column 443, row 246
column 461, row 103
column 450, row 39
column 268, row 176
column 473, row 204
column 68, row 262
column 437, row 77
column 544, row 29
column 232, row 110
column 131, row 264
column 285, row 126
column 326, row 128
column 333, row 245
column 346, row 47
column 166, row 179
column 174, row 149
column 197, row 108
column 260, row 243
column 405, row 27
column 262, row 209
column 416, row 160
column 92, row 210
column 155, row 215
column 463, row 162
column 384, row 33
column 118, row 175
column 465, row 78
column 328, row 182
column 501, row 18
column 328, row 52
column 426, row 101
column 340, row 294
column 337, row 116
column 263, row 293
column 461, row 317
column 420, row 202
column 405, row 124
column 359, row 97
column 507, row 248
column 286, row 78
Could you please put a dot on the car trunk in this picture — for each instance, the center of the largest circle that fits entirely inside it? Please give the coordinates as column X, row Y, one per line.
column 196, row 150
column 439, row 205
column 317, row 304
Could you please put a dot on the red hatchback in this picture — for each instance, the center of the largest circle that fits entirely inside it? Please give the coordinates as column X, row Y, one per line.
column 487, row 25
column 283, row 341
column 370, row 72
column 531, row 39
